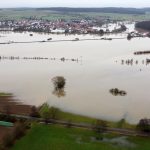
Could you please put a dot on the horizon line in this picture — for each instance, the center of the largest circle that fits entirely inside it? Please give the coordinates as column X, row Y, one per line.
column 71, row 7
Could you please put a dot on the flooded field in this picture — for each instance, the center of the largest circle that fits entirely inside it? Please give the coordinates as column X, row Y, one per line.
column 102, row 65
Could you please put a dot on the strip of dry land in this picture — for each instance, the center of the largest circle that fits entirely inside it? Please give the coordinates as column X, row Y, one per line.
column 9, row 105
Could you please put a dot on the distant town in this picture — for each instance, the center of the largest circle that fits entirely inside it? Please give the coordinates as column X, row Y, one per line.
column 81, row 26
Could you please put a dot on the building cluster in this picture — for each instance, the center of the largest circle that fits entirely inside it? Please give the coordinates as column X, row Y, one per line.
column 82, row 26
column 37, row 25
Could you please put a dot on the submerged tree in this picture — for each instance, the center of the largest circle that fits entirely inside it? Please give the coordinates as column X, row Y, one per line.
column 117, row 92
column 59, row 82
column 129, row 36
column 59, row 85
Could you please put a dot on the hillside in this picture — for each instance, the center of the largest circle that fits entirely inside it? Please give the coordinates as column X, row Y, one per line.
column 98, row 10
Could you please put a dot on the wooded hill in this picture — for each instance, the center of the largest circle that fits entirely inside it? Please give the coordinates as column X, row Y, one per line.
column 101, row 10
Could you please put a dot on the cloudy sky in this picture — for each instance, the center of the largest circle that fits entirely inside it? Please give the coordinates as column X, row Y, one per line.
column 74, row 3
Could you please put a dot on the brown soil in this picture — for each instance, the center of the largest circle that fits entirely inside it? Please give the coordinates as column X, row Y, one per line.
column 4, row 131
column 9, row 105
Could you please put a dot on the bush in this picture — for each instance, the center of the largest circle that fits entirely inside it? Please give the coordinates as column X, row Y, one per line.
column 34, row 112
column 144, row 125
column 100, row 126
column 48, row 112
column 54, row 113
column 45, row 111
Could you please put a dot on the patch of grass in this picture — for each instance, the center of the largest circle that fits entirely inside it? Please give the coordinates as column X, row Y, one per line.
column 75, row 118
column 142, row 143
column 42, row 137
column 5, row 94
column 55, row 137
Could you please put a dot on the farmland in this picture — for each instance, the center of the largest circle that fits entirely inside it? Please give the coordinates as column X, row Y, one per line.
column 48, row 14
column 53, row 137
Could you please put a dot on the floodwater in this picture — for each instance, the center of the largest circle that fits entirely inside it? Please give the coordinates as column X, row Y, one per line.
column 88, row 81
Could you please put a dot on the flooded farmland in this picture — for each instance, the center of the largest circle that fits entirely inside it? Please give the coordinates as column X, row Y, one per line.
column 88, row 81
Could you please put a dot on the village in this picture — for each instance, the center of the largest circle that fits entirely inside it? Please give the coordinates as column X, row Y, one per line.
column 76, row 26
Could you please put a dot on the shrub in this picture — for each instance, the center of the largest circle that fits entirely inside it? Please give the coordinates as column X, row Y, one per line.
column 54, row 113
column 144, row 125
column 100, row 126
column 34, row 112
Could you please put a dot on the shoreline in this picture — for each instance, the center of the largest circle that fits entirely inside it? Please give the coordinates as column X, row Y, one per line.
column 13, row 107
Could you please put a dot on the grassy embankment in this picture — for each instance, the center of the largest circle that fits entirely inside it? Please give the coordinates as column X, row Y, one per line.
column 76, row 118
column 83, row 119
column 54, row 137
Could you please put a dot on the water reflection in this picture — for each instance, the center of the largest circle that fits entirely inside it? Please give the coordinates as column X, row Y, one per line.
column 59, row 92
column 59, row 83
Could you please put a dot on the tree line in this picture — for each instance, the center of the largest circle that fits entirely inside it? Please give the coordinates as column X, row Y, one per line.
column 143, row 25
column 98, row 10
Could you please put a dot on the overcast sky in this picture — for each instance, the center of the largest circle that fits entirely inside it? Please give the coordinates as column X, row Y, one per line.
column 74, row 3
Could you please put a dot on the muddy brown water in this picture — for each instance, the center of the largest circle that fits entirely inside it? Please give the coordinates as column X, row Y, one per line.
column 87, row 82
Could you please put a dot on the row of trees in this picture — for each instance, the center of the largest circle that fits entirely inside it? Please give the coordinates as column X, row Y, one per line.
column 143, row 25
column 97, row 10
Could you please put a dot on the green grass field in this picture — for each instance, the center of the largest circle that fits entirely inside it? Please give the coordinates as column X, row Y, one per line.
column 117, row 16
column 52, row 137
column 48, row 15
column 17, row 14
